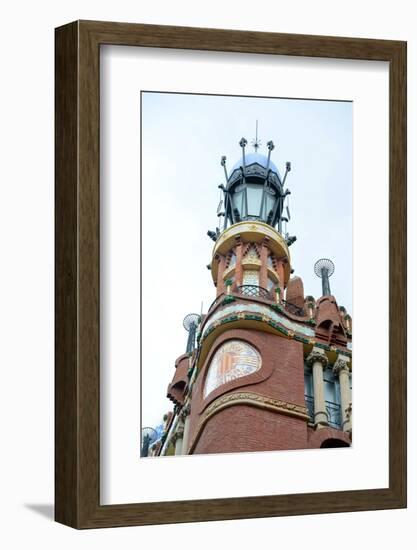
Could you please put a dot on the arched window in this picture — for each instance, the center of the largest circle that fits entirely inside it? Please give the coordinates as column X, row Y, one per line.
column 333, row 443
column 250, row 277
column 270, row 283
column 232, row 260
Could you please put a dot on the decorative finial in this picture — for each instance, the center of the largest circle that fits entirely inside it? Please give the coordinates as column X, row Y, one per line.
column 256, row 142
column 149, row 435
column 223, row 163
column 190, row 323
column 324, row 269
column 243, row 142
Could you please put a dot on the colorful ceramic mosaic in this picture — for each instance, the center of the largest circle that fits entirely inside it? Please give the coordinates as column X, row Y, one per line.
column 232, row 360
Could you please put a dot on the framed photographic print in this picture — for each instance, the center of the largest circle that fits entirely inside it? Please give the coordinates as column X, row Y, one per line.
column 230, row 239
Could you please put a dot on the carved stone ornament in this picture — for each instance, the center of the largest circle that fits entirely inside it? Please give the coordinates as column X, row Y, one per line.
column 341, row 364
column 185, row 411
column 317, row 356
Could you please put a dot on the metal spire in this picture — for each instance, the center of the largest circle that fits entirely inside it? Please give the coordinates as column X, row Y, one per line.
column 256, row 142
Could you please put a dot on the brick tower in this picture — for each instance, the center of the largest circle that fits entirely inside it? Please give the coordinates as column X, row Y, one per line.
column 266, row 368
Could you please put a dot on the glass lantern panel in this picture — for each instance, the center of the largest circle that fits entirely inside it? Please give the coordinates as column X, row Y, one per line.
column 254, row 199
column 270, row 202
column 237, row 201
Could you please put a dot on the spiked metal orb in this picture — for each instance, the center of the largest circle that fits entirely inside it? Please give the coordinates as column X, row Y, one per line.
column 189, row 320
column 190, row 323
column 149, row 435
column 324, row 268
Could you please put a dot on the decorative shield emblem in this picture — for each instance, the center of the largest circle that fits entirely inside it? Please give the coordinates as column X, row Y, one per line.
column 232, row 360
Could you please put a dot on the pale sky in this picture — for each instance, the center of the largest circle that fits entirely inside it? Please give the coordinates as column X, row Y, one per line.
column 183, row 139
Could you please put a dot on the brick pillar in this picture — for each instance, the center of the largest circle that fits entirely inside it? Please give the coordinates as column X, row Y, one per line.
column 239, row 268
column 281, row 276
column 263, row 274
column 222, row 265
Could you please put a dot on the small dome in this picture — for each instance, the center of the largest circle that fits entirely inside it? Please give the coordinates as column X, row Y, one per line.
column 253, row 158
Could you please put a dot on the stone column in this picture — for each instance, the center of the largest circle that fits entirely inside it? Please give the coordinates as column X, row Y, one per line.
column 318, row 361
column 348, row 321
column 341, row 369
column 179, row 438
column 186, row 436
column 278, row 294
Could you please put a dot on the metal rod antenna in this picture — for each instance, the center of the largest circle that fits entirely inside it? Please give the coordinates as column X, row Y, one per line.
column 223, row 163
column 287, row 170
column 271, row 147
column 243, row 142
column 226, row 194
column 256, row 142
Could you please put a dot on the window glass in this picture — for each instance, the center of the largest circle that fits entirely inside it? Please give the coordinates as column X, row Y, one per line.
column 232, row 261
column 331, row 386
column 254, row 199
column 270, row 200
column 308, row 383
column 237, row 201
column 251, row 277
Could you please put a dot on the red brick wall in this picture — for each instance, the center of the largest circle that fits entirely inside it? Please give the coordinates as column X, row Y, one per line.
column 243, row 428
column 280, row 377
column 295, row 292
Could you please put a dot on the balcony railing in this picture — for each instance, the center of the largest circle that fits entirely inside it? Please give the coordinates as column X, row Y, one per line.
column 254, row 291
column 333, row 412
column 310, row 406
column 216, row 301
column 334, row 415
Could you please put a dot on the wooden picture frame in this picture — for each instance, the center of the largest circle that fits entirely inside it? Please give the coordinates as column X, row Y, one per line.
column 77, row 403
